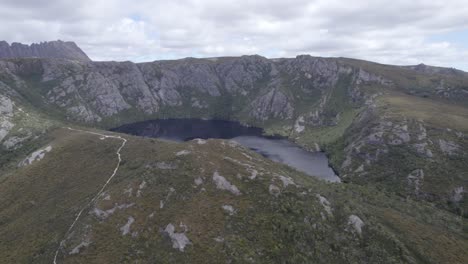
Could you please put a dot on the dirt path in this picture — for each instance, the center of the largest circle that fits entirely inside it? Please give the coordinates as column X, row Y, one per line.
column 103, row 137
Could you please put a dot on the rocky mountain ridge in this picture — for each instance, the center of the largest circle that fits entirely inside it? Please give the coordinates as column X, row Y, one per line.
column 48, row 49
column 273, row 85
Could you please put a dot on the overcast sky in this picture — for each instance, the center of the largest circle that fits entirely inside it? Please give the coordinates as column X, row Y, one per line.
column 396, row 32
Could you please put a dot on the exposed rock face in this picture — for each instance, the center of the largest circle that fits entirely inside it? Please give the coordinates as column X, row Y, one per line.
column 274, row 104
column 52, row 49
column 377, row 137
column 364, row 76
column 6, row 113
column 251, row 86
column 109, row 87
column 14, row 142
column 319, row 72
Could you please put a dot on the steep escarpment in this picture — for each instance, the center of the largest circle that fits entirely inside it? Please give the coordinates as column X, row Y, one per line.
column 51, row 49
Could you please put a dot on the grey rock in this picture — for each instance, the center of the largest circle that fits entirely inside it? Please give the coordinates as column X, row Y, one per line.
column 422, row 149
column 325, row 203
column 364, row 76
column 35, row 156
column 179, row 240
column 126, row 228
column 355, row 223
column 274, row 190
column 223, row 184
column 14, row 142
column 51, row 49
column 448, row 147
column 422, row 132
column 229, row 209
column 79, row 247
column 400, row 134
column 6, row 106
column 457, row 194
column 272, row 104
column 6, row 114
column 415, row 179
column 241, row 75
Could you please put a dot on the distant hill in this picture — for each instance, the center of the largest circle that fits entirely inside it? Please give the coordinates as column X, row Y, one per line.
column 51, row 49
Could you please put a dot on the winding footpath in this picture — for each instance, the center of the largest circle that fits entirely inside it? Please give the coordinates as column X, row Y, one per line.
column 103, row 136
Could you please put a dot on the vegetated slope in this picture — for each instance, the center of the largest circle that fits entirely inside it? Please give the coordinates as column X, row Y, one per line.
column 204, row 202
column 400, row 128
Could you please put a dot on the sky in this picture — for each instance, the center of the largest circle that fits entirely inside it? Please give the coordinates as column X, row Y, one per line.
column 398, row 32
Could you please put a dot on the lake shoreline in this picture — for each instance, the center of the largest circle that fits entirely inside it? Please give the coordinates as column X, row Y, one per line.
column 274, row 147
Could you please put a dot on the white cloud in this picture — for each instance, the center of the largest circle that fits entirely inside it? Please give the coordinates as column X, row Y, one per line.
column 396, row 32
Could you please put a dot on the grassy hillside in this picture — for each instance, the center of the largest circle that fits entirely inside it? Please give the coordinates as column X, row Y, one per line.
column 277, row 214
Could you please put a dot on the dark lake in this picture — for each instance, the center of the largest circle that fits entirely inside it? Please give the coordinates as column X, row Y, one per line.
column 275, row 148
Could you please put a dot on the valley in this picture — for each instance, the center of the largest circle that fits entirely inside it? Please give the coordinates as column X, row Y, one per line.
column 88, row 175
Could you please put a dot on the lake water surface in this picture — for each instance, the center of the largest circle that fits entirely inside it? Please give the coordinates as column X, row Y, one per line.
column 274, row 148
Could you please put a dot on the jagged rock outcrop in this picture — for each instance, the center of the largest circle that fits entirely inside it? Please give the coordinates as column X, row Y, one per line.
column 51, row 49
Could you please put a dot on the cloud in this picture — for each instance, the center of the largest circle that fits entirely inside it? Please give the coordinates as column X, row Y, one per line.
column 395, row 32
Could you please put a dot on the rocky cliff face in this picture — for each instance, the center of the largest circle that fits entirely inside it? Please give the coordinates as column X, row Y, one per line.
column 251, row 87
column 248, row 88
column 52, row 49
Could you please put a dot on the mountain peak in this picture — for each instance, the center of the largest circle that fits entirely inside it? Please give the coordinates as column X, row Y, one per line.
column 47, row 49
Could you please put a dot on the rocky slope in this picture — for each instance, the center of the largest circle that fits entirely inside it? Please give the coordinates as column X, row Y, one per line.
column 51, row 49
